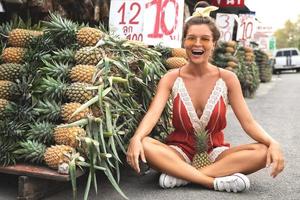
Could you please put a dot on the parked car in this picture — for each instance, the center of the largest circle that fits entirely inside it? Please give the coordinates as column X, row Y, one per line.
column 286, row 59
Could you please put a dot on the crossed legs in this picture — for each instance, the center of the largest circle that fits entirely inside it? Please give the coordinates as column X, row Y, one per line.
column 244, row 159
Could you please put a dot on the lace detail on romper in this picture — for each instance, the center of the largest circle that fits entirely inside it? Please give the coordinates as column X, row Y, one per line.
column 219, row 90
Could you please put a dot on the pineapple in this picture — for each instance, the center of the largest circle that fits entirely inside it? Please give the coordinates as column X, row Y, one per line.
column 49, row 133
column 179, row 52
column 53, row 156
column 10, row 71
column 6, row 109
column 201, row 158
column 13, row 55
column 75, row 92
column 54, row 112
column 175, row 62
column 82, row 73
column 88, row 56
column 8, row 90
column 65, row 32
column 87, row 36
column 78, row 73
column 22, row 37
column 69, row 135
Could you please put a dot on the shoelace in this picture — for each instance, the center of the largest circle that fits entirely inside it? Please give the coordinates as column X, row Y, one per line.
column 230, row 185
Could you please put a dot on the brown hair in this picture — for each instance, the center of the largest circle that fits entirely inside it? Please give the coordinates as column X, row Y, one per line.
column 199, row 20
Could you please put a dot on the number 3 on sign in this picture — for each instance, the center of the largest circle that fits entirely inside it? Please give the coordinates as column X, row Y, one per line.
column 160, row 27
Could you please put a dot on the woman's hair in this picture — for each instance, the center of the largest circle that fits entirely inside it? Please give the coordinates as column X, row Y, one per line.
column 199, row 20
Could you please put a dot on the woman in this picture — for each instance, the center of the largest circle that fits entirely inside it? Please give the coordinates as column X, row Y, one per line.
column 200, row 93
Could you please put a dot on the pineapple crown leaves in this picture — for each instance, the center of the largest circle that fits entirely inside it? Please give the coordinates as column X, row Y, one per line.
column 7, row 147
column 47, row 110
column 61, row 30
column 13, row 129
column 64, row 55
column 31, row 151
column 58, row 70
column 54, row 89
column 41, row 132
column 202, row 140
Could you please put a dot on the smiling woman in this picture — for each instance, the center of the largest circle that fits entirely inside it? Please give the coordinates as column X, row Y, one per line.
column 196, row 151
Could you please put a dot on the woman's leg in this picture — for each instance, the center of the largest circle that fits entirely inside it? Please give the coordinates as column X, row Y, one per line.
column 245, row 159
column 162, row 157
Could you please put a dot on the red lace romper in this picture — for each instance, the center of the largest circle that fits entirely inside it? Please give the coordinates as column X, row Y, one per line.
column 186, row 121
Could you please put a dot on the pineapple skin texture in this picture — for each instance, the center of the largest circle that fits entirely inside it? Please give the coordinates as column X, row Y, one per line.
column 55, row 155
column 179, row 52
column 10, row 71
column 3, row 105
column 82, row 73
column 175, row 62
column 86, row 56
column 69, row 108
column 68, row 136
column 13, row 55
column 201, row 160
column 88, row 36
column 6, row 90
column 22, row 37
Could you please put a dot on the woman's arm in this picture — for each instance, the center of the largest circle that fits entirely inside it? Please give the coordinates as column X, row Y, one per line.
column 250, row 126
column 150, row 119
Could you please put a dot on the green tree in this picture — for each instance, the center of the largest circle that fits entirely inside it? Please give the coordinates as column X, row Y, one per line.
column 289, row 36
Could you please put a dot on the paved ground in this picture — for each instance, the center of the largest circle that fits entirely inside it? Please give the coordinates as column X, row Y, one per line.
column 275, row 107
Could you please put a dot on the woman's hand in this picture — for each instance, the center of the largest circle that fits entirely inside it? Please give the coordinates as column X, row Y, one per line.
column 134, row 152
column 275, row 158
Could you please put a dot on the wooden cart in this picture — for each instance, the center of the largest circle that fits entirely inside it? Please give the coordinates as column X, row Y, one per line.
column 36, row 182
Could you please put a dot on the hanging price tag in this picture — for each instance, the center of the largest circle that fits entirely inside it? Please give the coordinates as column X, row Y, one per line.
column 225, row 24
column 246, row 28
column 151, row 21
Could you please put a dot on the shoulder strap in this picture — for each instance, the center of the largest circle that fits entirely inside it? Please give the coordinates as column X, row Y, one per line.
column 219, row 72
column 179, row 71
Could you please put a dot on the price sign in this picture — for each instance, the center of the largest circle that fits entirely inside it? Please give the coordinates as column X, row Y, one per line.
column 1, row 7
column 126, row 19
column 225, row 24
column 246, row 28
column 151, row 21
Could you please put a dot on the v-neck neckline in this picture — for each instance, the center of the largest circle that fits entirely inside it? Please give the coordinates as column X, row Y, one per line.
column 207, row 101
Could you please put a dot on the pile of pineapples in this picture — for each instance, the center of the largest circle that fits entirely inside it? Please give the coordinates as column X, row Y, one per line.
column 224, row 55
column 264, row 66
column 247, row 71
column 176, row 58
column 72, row 95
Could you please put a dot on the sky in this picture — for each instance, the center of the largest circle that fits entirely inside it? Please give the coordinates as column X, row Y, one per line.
column 275, row 12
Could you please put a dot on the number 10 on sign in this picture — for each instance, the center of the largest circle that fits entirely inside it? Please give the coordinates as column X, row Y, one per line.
column 163, row 21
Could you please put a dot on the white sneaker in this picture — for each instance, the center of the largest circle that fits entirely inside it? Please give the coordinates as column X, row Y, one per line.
column 235, row 183
column 167, row 181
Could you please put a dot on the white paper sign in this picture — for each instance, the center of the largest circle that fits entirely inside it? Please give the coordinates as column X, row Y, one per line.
column 1, row 7
column 126, row 19
column 151, row 21
column 246, row 28
column 225, row 24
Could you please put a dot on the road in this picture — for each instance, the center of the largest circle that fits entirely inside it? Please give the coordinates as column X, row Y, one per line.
column 275, row 107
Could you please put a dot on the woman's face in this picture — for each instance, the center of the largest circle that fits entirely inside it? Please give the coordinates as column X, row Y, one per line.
column 199, row 43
